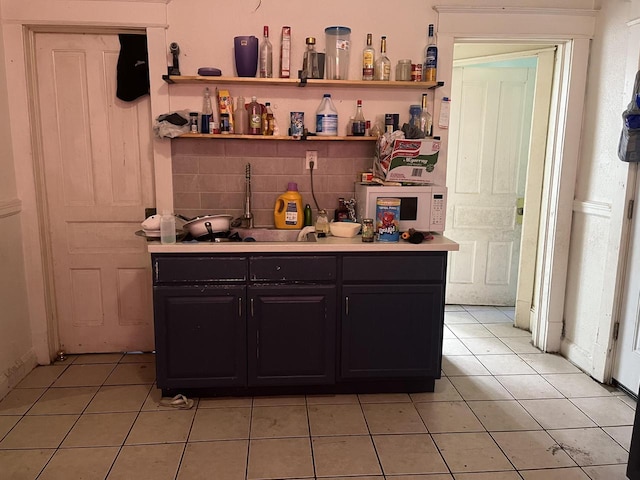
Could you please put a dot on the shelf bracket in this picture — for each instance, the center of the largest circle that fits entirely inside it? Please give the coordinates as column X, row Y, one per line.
column 437, row 85
column 303, row 81
column 167, row 79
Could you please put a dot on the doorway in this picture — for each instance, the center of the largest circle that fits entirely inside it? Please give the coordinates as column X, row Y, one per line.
column 499, row 120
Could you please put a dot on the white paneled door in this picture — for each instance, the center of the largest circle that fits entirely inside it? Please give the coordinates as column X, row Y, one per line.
column 486, row 174
column 98, row 176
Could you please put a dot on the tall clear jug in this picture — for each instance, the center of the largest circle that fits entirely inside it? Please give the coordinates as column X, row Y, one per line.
column 338, row 45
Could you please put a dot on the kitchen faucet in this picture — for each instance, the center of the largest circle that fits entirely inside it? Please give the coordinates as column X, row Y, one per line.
column 247, row 216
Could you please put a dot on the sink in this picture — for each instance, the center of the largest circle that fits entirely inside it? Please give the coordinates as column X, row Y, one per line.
column 272, row 235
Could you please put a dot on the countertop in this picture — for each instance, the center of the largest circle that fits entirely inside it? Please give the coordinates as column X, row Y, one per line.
column 328, row 244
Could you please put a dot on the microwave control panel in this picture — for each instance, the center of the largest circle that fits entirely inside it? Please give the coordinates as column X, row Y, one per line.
column 438, row 209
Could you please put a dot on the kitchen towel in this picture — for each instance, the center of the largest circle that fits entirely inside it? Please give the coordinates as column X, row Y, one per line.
column 133, row 67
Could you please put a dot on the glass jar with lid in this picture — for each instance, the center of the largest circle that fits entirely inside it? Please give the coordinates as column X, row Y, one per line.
column 368, row 230
column 403, row 70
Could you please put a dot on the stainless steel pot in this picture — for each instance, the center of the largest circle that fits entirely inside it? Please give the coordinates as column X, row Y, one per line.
column 208, row 225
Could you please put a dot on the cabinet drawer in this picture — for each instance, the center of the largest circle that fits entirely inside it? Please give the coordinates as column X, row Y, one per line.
column 406, row 268
column 198, row 269
column 292, row 269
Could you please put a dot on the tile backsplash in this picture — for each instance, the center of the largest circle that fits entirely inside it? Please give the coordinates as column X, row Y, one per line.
column 209, row 175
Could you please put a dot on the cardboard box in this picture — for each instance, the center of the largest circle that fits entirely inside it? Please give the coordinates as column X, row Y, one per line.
column 225, row 105
column 411, row 161
column 285, row 53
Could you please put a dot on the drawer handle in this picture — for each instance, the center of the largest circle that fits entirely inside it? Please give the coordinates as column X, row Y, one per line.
column 239, row 306
column 346, row 304
column 252, row 307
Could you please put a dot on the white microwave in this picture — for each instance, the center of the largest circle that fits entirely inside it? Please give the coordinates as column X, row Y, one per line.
column 422, row 207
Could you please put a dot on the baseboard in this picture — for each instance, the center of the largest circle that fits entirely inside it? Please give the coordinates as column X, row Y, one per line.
column 15, row 374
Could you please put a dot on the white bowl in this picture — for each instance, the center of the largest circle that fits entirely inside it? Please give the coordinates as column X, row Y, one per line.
column 344, row 229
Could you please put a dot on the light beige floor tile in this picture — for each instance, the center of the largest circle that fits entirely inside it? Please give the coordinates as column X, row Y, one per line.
column 442, row 392
column 607, row 472
column 19, row 401
column 462, row 365
column 490, row 316
column 556, row 413
column 280, row 458
column 97, row 358
column 471, row 452
column 520, row 345
column 508, row 311
column 622, row 435
column 80, row 463
column 571, row 473
column 332, row 399
column 23, row 464
column 230, row 423
column 506, row 365
column 376, row 477
column 157, row 462
column 487, row 476
column 63, row 401
column 486, row 346
column 532, row 450
column 132, row 374
column 454, row 308
column 606, row 411
column 454, row 318
column 279, row 421
column 453, row 346
column 349, row 455
column 220, row 402
column 479, row 308
column 547, row 363
column 152, row 403
column 528, row 387
column 470, row 330
column 138, row 358
column 438, row 476
column 119, row 398
column 503, row 416
column 502, row 330
column 84, row 375
column 225, row 460
column 408, row 454
column 7, row 422
column 279, row 400
column 393, row 418
column 100, row 430
column 46, row 431
column 629, row 401
column 384, row 397
column 589, row 446
column 161, row 427
column 576, row 385
column 449, row 417
column 337, row 420
column 42, row 376
column 480, row 388
column 446, row 333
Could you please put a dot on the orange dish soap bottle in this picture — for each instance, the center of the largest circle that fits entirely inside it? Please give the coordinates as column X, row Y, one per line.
column 288, row 213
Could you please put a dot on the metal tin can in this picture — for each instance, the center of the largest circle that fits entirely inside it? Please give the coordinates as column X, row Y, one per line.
column 387, row 219
column 368, row 230
column 416, row 72
column 297, row 124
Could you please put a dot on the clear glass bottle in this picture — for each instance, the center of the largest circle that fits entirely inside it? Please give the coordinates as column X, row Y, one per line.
column 382, row 70
column 368, row 59
column 266, row 55
column 359, row 122
column 255, row 117
column 207, row 112
column 240, row 117
column 267, row 119
column 167, row 228
column 310, row 59
column 430, row 58
column 426, row 121
column 193, row 122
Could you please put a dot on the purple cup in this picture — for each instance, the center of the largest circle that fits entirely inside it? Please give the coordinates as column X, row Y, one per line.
column 246, row 55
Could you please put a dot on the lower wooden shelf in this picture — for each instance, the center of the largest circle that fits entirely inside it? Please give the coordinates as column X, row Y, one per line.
column 314, row 138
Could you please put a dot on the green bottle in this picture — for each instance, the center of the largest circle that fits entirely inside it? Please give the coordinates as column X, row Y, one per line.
column 307, row 216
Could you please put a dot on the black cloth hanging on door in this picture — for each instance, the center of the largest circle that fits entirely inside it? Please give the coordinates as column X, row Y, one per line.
column 133, row 67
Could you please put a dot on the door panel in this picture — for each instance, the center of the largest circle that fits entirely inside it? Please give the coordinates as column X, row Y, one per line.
column 98, row 175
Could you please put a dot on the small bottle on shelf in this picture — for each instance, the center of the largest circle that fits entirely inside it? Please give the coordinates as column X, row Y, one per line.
column 266, row 55
column 368, row 59
column 430, row 58
column 240, row 117
column 267, row 119
column 310, row 59
column 426, row 121
column 382, row 70
column 207, row 112
column 359, row 122
column 255, row 117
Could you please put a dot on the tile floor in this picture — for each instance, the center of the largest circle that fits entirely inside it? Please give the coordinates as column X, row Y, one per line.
column 501, row 411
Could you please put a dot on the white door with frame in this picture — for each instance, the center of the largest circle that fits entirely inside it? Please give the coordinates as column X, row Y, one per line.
column 97, row 170
column 486, row 174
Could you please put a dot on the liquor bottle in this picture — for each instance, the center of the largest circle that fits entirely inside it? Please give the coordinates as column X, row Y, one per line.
column 426, row 122
column 267, row 119
column 266, row 55
column 342, row 212
column 368, row 59
column 310, row 59
column 359, row 122
column 430, row 58
column 382, row 69
column 207, row 112
column 255, row 117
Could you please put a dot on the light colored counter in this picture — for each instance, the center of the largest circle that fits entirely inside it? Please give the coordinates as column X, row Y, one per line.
column 328, row 244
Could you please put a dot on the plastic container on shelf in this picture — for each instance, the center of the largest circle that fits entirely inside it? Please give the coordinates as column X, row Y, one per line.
column 167, row 228
column 327, row 117
column 288, row 210
column 338, row 45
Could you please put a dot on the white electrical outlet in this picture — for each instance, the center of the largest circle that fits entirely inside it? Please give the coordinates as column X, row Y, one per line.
column 312, row 156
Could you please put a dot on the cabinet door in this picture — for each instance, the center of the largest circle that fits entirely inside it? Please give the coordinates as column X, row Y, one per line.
column 291, row 334
column 391, row 330
column 200, row 336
